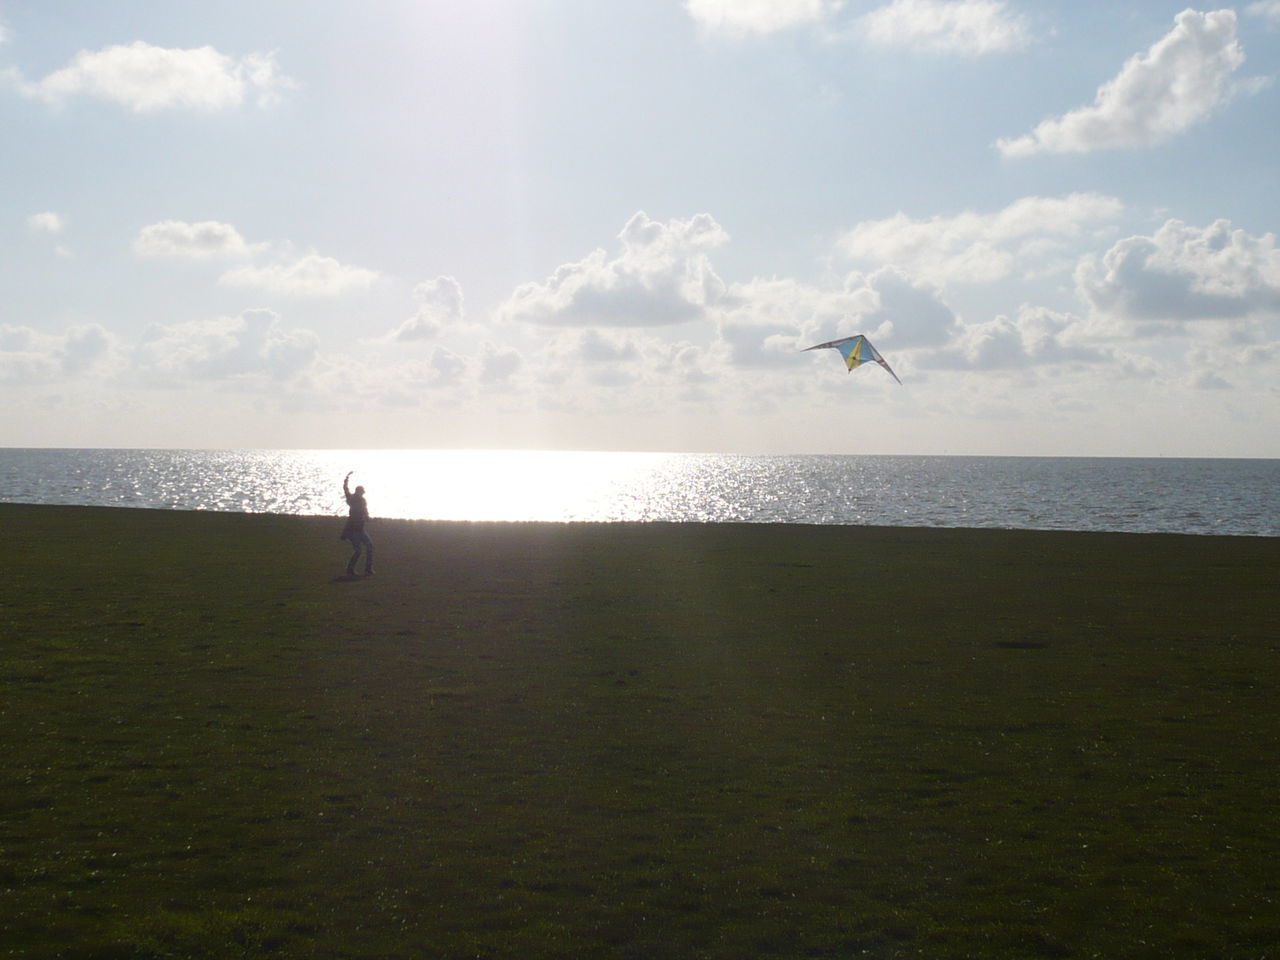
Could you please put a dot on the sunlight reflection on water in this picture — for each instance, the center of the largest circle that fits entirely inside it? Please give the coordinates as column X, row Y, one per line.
column 508, row 485
column 1179, row 496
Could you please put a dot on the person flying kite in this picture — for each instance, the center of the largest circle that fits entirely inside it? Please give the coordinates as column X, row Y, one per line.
column 856, row 351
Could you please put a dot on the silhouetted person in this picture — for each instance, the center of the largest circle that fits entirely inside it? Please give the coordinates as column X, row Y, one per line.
column 354, row 530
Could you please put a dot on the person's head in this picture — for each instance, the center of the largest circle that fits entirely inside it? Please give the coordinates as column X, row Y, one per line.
column 359, row 491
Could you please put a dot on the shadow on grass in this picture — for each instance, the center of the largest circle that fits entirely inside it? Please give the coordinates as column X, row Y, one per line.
column 635, row 741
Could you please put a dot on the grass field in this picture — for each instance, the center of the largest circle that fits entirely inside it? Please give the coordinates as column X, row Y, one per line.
column 634, row 741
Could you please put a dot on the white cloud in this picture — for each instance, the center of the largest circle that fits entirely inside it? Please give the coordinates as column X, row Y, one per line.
column 970, row 27
column 205, row 240
column 46, row 222
column 446, row 367
column 250, row 346
column 439, row 377
column 83, row 347
column 662, row 276
column 586, row 358
column 498, row 364
column 146, row 78
column 309, row 276
column 588, row 347
column 1179, row 82
column 978, row 248
column 1035, row 337
column 1208, row 380
column 741, row 17
column 617, row 370
column 439, row 305
column 907, row 311
column 28, row 356
column 765, row 323
column 24, row 357
column 1183, row 273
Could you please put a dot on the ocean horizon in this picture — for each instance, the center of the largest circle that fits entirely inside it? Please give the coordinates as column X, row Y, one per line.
column 1239, row 497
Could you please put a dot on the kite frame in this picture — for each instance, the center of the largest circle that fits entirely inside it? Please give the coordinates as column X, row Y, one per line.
column 851, row 349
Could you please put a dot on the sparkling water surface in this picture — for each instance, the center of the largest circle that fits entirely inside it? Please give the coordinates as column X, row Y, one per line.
column 1237, row 497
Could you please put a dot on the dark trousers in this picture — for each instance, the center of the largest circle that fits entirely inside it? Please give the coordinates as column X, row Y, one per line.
column 361, row 542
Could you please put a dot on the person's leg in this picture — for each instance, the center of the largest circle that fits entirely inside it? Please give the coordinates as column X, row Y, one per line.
column 368, row 553
column 355, row 553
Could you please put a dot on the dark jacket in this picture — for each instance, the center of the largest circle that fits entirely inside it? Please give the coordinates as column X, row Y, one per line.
column 359, row 513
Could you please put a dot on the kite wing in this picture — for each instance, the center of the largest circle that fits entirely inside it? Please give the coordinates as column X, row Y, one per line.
column 856, row 351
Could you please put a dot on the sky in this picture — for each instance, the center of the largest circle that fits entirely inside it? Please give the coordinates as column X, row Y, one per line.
column 568, row 224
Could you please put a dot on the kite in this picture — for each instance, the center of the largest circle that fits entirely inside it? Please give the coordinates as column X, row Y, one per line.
column 856, row 350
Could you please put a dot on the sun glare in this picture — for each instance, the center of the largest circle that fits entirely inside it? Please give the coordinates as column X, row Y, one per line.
column 500, row 484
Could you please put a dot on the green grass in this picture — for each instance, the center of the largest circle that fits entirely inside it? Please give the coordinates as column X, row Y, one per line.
column 634, row 741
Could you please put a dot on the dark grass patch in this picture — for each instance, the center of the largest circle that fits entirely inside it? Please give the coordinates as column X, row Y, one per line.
column 634, row 741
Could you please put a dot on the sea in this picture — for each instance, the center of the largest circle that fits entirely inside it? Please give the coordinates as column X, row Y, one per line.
column 1189, row 496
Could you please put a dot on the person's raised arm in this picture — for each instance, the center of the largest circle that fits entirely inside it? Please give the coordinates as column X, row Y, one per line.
column 346, row 490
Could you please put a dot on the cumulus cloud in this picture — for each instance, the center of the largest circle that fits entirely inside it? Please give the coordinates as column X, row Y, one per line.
column 308, row 276
column 82, row 347
column 611, row 363
column 967, row 27
column 497, row 364
column 743, row 17
column 661, row 276
column 439, row 305
column 764, row 323
column 442, row 368
column 24, row 357
column 1182, row 80
column 585, row 355
column 1184, row 273
column 46, row 222
column 908, row 312
column 145, row 78
column 974, row 247
column 1035, row 337
column 205, row 240
column 406, row 382
column 28, row 356
column 251, row 345
column 592, row 346
column 1208, row 380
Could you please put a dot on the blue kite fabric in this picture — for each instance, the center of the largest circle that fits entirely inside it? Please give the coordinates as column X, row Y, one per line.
column 856, row 351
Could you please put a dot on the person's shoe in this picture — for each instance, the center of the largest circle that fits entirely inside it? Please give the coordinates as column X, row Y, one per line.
column 368, row 571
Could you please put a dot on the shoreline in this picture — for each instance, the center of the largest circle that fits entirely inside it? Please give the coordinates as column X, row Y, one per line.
column 1207, row 497
column 657, row 524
